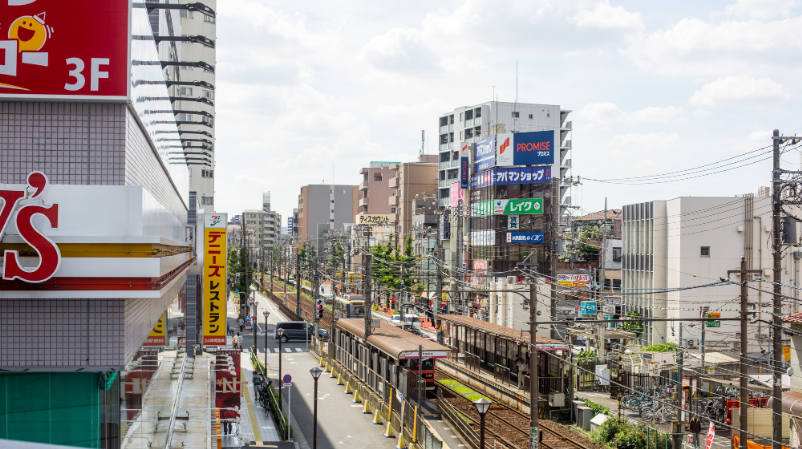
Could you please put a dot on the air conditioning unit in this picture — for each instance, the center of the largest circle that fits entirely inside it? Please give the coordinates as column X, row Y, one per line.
column 511, row 279
column 736, row 346
column 608, row 310
column 691, row 343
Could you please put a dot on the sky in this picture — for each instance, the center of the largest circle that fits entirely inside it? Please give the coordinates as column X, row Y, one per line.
column 309, row 92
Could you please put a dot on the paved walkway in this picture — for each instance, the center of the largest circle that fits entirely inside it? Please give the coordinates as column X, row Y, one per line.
column 257, row 423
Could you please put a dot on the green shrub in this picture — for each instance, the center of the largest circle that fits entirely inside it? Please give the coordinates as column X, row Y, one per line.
column 597, row 408
column 608, row 431
column 668, row 347
column 462, row 390
column 630, row 438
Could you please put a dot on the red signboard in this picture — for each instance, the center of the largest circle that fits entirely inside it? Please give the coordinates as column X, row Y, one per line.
column 227, row 380
column 57, row 48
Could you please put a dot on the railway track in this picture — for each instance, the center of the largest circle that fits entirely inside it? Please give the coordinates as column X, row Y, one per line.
column 510, row 427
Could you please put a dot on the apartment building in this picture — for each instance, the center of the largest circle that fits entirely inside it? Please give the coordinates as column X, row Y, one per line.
column 668, row 246
column 472, row 123
column 195, row 112
column 375, row 188
column 411, row 180
column 263, row 226
column 325, row 206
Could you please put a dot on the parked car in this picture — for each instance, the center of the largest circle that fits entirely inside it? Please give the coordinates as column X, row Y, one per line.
column 291, row 280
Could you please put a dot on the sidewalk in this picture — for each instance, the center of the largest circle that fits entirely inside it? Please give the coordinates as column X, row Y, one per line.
column 256, row 423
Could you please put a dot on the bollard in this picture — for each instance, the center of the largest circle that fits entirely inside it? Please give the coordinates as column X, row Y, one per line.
column 333, row 373
column 328, row 368
column 401, row 443
column 340, row 379
column 321, row 362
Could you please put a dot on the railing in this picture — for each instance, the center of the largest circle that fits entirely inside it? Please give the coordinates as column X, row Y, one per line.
column 501, row 372
column 453, row 418
column 279, row 416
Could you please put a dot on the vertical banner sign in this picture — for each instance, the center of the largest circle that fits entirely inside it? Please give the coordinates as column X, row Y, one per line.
column 484, row 156
column 214, row 280
column 156, row 337
column 464, row 161
column 710, row 435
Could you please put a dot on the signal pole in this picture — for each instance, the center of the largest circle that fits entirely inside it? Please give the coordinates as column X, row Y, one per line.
column 776, row 433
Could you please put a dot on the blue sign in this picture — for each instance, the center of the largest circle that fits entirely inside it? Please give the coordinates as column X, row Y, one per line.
column 513, row 175
column 524, row 237
column 526, row 176
column 500, row 176
column 541, row 174
column 463, row 174
column 484, row 154
column 587, row 308
column 533, row 148
column 287, row 378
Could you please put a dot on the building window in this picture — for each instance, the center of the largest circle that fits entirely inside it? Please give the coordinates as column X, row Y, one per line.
column 343, row 191
column 531, row 116
column 186, row 91
column 616, row 254
column 206, row 174
column 208, row 19
column 515, row 114
column 392, row 210
column 705, row 251
column 377, row 177
column 208, row 94
column 186, row 14
column 206, row 200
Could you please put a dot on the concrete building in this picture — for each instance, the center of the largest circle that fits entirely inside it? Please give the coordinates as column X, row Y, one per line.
column 264, row 225
column 196, row 114
column 325, row 206
column 374, row 190
column 692, row 241
column 472, row 123
column 412, row 180
column 114, row 232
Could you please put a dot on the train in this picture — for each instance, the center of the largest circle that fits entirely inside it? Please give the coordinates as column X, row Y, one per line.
column 349, row 306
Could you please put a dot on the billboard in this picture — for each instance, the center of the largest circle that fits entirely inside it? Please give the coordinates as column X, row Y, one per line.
column 214, row 280
column 156, row 337
column 574, row 280
column 504, row 152
column 77, row 49
column 518, row 206
column 484, row 154
column 456, row 194
column 524, row 237
column 375, row 220
column 533, row 148
column 464, row 167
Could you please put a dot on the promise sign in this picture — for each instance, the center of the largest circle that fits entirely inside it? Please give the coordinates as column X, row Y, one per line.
column 214, row 280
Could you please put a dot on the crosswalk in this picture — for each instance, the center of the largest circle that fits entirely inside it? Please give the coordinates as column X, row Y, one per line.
column 275, row 350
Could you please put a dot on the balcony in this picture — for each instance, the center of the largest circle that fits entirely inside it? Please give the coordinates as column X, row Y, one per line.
column 449, row 164
column 363, row 202
column 469, row 123
column 393, row 201
column 394, row 183
column 477, row 121
column 443, row 202
column 363, row 185
column 447, row 182
column 567, row 126
column 444, row 129
column 566, row 144
column 364, row 171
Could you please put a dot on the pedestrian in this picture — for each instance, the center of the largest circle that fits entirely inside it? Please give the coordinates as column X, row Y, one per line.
column 523, row 370
column 241, row 324
column 695, row 427
column 224, row 415
column 238, row 341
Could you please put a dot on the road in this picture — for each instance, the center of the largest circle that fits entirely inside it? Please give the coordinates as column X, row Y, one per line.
column 341, row 422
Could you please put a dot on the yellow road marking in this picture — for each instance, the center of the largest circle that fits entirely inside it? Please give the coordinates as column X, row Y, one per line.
column 257, row 436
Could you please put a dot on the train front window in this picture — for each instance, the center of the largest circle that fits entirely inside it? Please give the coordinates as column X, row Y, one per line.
column 358, row 310
column 412, row 364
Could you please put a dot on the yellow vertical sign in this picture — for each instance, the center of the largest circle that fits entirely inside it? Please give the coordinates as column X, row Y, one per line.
column 214, row 280
column 787, row 353
column 156, row 337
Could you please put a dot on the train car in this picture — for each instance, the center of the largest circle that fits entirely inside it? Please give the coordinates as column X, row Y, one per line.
column 349, row 306
column 390, row 356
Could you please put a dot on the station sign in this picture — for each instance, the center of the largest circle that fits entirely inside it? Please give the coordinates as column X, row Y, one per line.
column 74, row 49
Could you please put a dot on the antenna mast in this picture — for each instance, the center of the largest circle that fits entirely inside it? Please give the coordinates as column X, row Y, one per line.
column 422, row 141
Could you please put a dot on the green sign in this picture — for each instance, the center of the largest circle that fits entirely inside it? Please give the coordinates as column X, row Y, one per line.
column 518, row 206
column 482, row 209
column 715, row 323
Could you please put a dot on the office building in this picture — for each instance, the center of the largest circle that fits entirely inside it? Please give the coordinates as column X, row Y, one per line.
column 374, row 190
column 264, row 226
column 412, row 180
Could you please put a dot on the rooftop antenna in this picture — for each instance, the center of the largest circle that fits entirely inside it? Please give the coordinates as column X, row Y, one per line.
column 422, row 141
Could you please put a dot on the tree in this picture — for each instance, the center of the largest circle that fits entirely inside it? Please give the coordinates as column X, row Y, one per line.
column 336, row 260
column 633, row 326
column 237, row 266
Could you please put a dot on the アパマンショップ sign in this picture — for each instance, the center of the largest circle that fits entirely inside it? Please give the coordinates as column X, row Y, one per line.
column 57, row 48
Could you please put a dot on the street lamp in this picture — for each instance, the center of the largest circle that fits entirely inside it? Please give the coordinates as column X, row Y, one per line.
column 482, row 406
column 316, row 372
column 280, row 334
column 266, row 314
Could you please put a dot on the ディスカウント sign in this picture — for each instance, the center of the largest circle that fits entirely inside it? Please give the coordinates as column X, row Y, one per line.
column 64, row 49
column 376, row 219
column 214, row 280
column 518, row 206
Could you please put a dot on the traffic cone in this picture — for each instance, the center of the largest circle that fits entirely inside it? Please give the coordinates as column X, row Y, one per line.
column 356, row 397
column 366, row 408
column 389, row 432
column 376, row 418
column 328, row 368
column 322, row 362
column 333, row 373
column 348, row 388
column 401, row 443
column 339, row 379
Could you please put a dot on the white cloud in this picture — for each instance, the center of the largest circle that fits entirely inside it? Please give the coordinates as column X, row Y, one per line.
column 606, row 17
column 702, row 113
column 763, row 136
column 400, row 50
column 611, row 113
column 740, row 91
column 760, row 9
column 693, row 47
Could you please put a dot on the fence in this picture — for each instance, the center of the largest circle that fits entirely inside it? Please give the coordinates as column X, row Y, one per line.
column 278, row 415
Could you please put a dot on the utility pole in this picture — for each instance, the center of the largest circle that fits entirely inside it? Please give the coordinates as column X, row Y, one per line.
column 534, row 440
column 743, row 272
column 368, row 297
column 777, row 350
column 555, row 222
column 315, row 294
column 298, row 286
column 271, row 270
column 403, row 297
column 680, row 395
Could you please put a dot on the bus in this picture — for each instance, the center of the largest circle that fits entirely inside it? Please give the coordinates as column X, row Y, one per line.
column 349, row 306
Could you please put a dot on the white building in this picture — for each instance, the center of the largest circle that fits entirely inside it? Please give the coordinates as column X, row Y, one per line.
column 195, row 115
column 473, row 123
column 693, row 241
column 263, row 226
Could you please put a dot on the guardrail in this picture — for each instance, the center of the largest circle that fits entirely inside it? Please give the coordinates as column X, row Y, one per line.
column 279, row 417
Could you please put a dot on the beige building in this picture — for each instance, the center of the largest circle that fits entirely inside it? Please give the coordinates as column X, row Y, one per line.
column 412, row 180
column 324, row 207
column 375, row 188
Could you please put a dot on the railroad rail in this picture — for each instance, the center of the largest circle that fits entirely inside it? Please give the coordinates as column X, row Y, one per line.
column 510, row 427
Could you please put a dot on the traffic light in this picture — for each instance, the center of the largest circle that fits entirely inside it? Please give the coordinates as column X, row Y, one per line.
column 319, row 308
